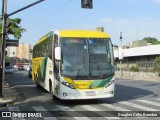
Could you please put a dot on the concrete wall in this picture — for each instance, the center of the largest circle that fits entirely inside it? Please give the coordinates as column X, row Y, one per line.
column 138, row 43
column 138, row 75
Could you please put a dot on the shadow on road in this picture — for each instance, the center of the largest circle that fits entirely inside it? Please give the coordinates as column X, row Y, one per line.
column 27, row 89
column 122, row 93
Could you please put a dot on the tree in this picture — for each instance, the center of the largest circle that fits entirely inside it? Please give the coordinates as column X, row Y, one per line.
column 151, row 40
column 156, row 67
column 15, row 29
column 156, row 42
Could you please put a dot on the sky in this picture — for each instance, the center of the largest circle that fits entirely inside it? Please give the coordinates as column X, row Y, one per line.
column 136, row 19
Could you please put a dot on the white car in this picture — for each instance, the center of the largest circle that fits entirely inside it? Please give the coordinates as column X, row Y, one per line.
column 9, row 69
column 28, row 68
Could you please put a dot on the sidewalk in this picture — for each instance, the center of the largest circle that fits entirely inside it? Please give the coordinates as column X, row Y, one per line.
column 9, row 95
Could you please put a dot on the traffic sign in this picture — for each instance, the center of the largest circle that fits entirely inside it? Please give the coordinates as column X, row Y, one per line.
column 86, row 4
column 12, row 42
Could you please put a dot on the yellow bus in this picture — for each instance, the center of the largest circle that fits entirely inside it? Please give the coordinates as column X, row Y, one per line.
column 74, row 64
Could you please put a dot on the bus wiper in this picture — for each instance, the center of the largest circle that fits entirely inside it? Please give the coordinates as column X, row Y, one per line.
column 82, row 63
column 98, row 67
column 100, row 71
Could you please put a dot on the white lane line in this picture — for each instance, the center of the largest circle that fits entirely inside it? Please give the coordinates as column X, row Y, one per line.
column 149, row 102
column 158, row 99
column 15, row 109
column 40, row 109
column 137, row 106
column 90, row 108
column 49, row 118
column 116, row 108
column 64, row 108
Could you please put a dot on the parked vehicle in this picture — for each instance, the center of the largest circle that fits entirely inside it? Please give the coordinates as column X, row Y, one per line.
column 28, row 68
column 21, row 68
column 9, row 70
column 30, row 72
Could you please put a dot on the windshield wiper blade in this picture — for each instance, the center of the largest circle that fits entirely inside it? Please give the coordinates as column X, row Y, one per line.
column 100, row 71
column 79, row 70
column 98, row 66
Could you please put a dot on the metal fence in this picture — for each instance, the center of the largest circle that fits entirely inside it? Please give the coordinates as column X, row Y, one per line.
column 141, row 66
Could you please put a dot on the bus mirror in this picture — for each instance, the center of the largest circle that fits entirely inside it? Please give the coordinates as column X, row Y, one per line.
column 58, row 53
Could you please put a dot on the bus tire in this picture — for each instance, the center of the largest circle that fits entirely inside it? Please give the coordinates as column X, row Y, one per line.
column 54, row 97
column 50, row 88
column 51, row 91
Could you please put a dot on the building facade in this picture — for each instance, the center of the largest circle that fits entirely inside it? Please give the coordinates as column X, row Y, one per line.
column 141, row 57
column 23, row 51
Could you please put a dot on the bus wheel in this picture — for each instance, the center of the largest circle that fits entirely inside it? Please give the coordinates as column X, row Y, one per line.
column 54, row 97
column 51, row 91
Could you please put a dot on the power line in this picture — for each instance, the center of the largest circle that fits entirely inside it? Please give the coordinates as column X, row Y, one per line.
column 52, row 13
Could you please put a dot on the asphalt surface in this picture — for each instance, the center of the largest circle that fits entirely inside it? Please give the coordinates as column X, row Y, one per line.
column 9, row 95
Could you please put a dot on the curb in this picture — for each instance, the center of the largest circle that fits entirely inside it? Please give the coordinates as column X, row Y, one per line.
column 7, row 102
column 9, row 95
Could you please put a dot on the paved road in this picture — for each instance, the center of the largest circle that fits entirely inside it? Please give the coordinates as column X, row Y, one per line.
column 132, row 97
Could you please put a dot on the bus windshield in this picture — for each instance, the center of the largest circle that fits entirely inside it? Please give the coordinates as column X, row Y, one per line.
column 83, row 58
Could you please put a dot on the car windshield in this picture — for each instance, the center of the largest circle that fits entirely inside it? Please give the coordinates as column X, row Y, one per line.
column 83, row 58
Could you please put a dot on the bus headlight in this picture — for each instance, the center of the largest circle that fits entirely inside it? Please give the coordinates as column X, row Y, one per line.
column 68, row 85
column 110, row 83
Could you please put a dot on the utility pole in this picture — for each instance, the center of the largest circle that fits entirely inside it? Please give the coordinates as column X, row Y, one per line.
column 121, row 59
column 3, row 40
column 84, row 3
column 3, row 46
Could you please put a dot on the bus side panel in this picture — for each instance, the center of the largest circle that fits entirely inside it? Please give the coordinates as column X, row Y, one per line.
column 49, row 74
column 39, row 70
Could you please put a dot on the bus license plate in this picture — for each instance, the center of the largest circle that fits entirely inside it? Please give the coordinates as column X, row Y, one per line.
column 90, row 93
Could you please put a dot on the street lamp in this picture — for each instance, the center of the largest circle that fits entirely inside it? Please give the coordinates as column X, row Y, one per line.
column 121, row 54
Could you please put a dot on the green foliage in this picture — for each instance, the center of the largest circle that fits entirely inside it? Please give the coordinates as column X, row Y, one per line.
column 156, row 67
column 151, row 40
column 8, row 59
column 156, row 42
column 16, row 29
column 134, row 69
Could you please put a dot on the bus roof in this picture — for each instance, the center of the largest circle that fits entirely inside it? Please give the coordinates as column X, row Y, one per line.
column 77, row 34
column 83, row 34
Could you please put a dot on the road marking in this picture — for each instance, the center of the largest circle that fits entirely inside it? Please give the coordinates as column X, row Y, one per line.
column 137, row 106
column 64, row 108
column 149, row 102
column 49, row 118
column 115, row 107
column 15, row 109
column 40, row 108
column 158, row 99
column 90, row 108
